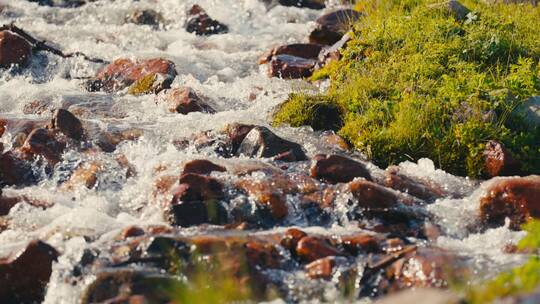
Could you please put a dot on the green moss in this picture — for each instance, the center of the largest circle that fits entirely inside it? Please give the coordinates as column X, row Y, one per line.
column 144, row 85
column 414, row 82
column 315, row 111
column 518, row 281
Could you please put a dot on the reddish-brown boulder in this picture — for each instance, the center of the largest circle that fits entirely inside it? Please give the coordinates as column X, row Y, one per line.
column 201, row 24
column 184, row 100
column 131, row 231
column 291, row 238
column 372, row 196
column 123, row 73
column 498, row 161
column 24, row 276
column 14, row 170
column 321, row 268
column 236, row 133
column 291, row 67
column 337, row 169
column 332, row 26
column 13, row 49
column 302, row 50
column 202, row 166
column 311, row 248
column 198, row 188
column 67, row 123
column 43, row 142
column 271, row 197
column 516, row 198
column 360, row 243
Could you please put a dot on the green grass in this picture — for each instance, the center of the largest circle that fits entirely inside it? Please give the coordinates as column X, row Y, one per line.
column 414, row 82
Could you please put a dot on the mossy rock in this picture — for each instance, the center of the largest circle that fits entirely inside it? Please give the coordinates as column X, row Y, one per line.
column 145, row 85
column 414, row 82
column 300, row 110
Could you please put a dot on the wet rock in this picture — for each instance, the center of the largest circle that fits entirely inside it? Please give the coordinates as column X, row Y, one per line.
column 302, row 50
column 236, row 133
column 145, row 17
column 452, row 7
column 131, row 231
column 498, row 161
column 321, row 268
column 266, row 195
column 142, row 76
column 184, row 100
column 291, row 237
column 108, row 140
column 202, row 166
column 396, row 180
column 515, row 198
column 360, row 243
column 86, row 175
column 13, row 50
column 311, row 248
column 425, row 267
column 421, row 295
column 373, row 196
column 15, row 171
column 25, row 275
column 196, row 187
column 38, row 107
column 291, row 67
column 112, row 285
column 335, row 141
column 262, row 255
column 67, row 123
column 43, row 142
column 332, row 26
column 201, row 24
column 261, row 142
column 337, row 169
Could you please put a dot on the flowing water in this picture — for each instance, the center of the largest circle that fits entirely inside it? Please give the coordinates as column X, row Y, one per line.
column 221, row 67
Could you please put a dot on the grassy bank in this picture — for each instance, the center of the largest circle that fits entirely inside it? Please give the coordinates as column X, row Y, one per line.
column 415, row 81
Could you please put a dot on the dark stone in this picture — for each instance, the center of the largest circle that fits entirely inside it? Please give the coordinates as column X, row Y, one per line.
column 13, row 49
column 196, row 187
column 332, row 26
column 43, row 142
column 237, row 132
column 291, row 67
column 15, row 171
column 313, row 4
column 193, row 213
column 302, row 50
column 498, row 161
column 201, row 24
column 65, row 122
column 184, row 100
column 337, row 169
column 145, row 17
column 202, row 166
column 25, row 275
column 261, row 142
column 310, row 249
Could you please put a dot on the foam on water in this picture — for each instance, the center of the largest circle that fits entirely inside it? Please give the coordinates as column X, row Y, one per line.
column 221, row 67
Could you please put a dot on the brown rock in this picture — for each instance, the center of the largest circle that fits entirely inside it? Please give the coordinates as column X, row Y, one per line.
column 201, row 24
column 131, row 231
column 337, row 169
column 321, row 268
column 85, row 175
column 262, row 254
column 122, row 73
column 184, row 101
column 332, row 26
column 372, row 196
column 337, row 141
column 291, row 67
column 415, row 187
column 24, row 276
column 198, row 188
column 512, row 197
column 498, row 161
column 43, row 142
column 14, row 170
column 145, row 17
column 302, row 50
column 310, row 249
column 13, row 49
column 261, row 142
column 67, row 123
column 237, row 132
column 265, row 194
column 202, row 166
column 291, row 238
column 360, row 243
